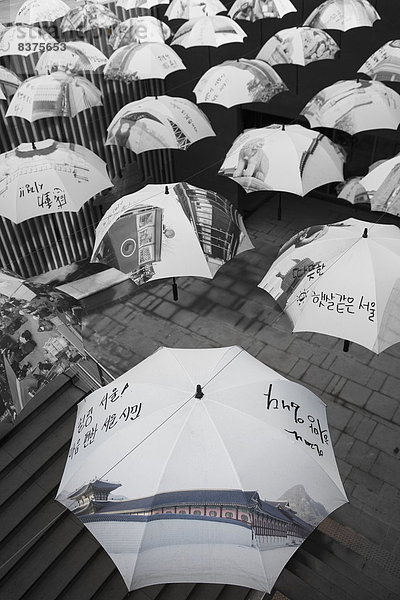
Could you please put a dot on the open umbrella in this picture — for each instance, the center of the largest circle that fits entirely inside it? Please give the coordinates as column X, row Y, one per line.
column 239, row 81
column 342, row 280
column 148, row 60
column 382, row 185
column 208, row 31
column 191, row 9
column 289, row 158
column 342, row 15
column 76, row 57
column 384, row 64
column 88, row 16
column 134, row 4
column 48, row 177
column 299, row 46
column 354, row 106
column 56, row 95
column 12, row 286
column 201, row 465
column 9, row 83
column 157, row 123
column 169, row 232
column 40, row 11
column 24, row 40
column 254, row 10
column 352, row 191
column 138, row 30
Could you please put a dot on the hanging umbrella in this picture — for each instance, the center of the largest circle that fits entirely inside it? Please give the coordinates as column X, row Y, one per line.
column 342, row 15
column 210, row 467
column 9, row 83
column 354, row 106
column 134, row 4
column 48, row 177
column 352, row 191
column 191, row 9
column 288, row 158
column 382, row 185
column 239, row 81
column 12, row 286
column 40, row 11
column 24, row 40
column 254, row 10
column 76, row 57
column 341, row 280
column 208, row 31
column 149, row 60
column 157, row 123
column 384, row 64
column 138, row 30
column 89, row 16
column 56, row 95
column 299, row 46
column 163, row 232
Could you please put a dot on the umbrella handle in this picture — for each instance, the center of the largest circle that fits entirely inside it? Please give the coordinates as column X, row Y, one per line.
column 174, row 289
column 346, row 345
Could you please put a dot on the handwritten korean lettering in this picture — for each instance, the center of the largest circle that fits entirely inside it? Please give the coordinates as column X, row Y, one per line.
column 110, row 422
column 89, row 436
column 312, row 445
column 275, row 404
column 74, row 449
column 131, row 412
column 113, row 396
column 86, row 420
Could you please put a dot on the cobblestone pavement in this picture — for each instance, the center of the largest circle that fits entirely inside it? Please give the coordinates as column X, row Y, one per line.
column 361, row 389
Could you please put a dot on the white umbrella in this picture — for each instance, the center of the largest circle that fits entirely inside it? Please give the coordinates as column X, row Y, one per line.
column 382, row 185
column 138, row 30
column 208, row 31
column 40, row 11
column 342, row 280
column 88, row 16
column 354, row 106
column 178, row 231
column 159, row 122
column 56, row 95
column 253, row 10
column 352, row 191
column 24, row 40
column 288, row 158
column 76, row 56
column 342, row 15
column 134, row 4
column 191, row 9
column 13, row 287
column 200, row 458
column 48, row 177
column 384, row 64
column 299, row 46
column 239, row 81
column 149, row 60
column 9, row 83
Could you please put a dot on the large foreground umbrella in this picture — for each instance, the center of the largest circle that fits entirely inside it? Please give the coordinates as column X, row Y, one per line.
column 77, row 56
column 384, row 64
column 208, row 31
column 148, row 60
column 342, row 15
column 287, row 158
column 138, row 30
column 48, row 177
column 239, row 81
column 254, row 10
column 354, row 106
column 24, row 40
column 343, row 280
column 157, row 123
column 201, row 465
column 169, row 232
column 40, row 11
column 298, row 46
column 56, row 95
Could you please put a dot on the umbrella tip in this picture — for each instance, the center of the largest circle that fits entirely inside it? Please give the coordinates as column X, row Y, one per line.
column 199, row 392
column 166, row 191
column 33, row 146
column 365, row 234
column 283, row 126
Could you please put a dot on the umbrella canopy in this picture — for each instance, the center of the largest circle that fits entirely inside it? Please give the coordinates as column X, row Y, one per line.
column 211, row 467
column 239, row 81
column 384, row 64
column 342, row 15
column 289, row 158
column 56, row 95
column 157, row 123
column 341, row 280
column 208, row 31
column 9, row 83
column 138, row 30
column 299, row 46
column 40, row 11
column 89, row 15
column 24, row 40
column 48, row 177
column 382, row 185
column 178, row 231
column 354, row 106
column 352, row 191
column 12, row 286
column 254, row 10
column 149, row 60
column 134, row 4
column 191, row 9
column 77, row 56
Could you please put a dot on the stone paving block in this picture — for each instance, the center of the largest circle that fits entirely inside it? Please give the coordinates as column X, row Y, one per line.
column 335, row 385
column 249, row 326
column 301, row 348
column 391, row 386
column 317, row 377
column 282, row 362
column 221, row 297
column 166, row 309
column 224, row 315
column 343, row 446
column 355, row 393
column 299, row 369
column 351, row 369
column 385, row 438
column 362, row 477
column 319, row 357
column 387, row 364
column 396, row 417
column 250, row 308
column 184, row 317
column 388, row 468
column 274, row 337
column 382, row 405
column 344, row 470
column 376, row 380
column 361, row 427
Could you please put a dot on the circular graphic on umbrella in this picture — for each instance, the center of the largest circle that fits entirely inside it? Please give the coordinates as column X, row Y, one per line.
column 384, row 64
column 342, row 15
column 239, row 81
column 76, row 57
column 354, row 106
column 24, row 40
column 89, row 15
column 298, row 46
column 254, row 10
column 192, row 9
column 139, row 30
column 40, row 11
column 208, row 31
column 169, row 447
column 148, row 60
